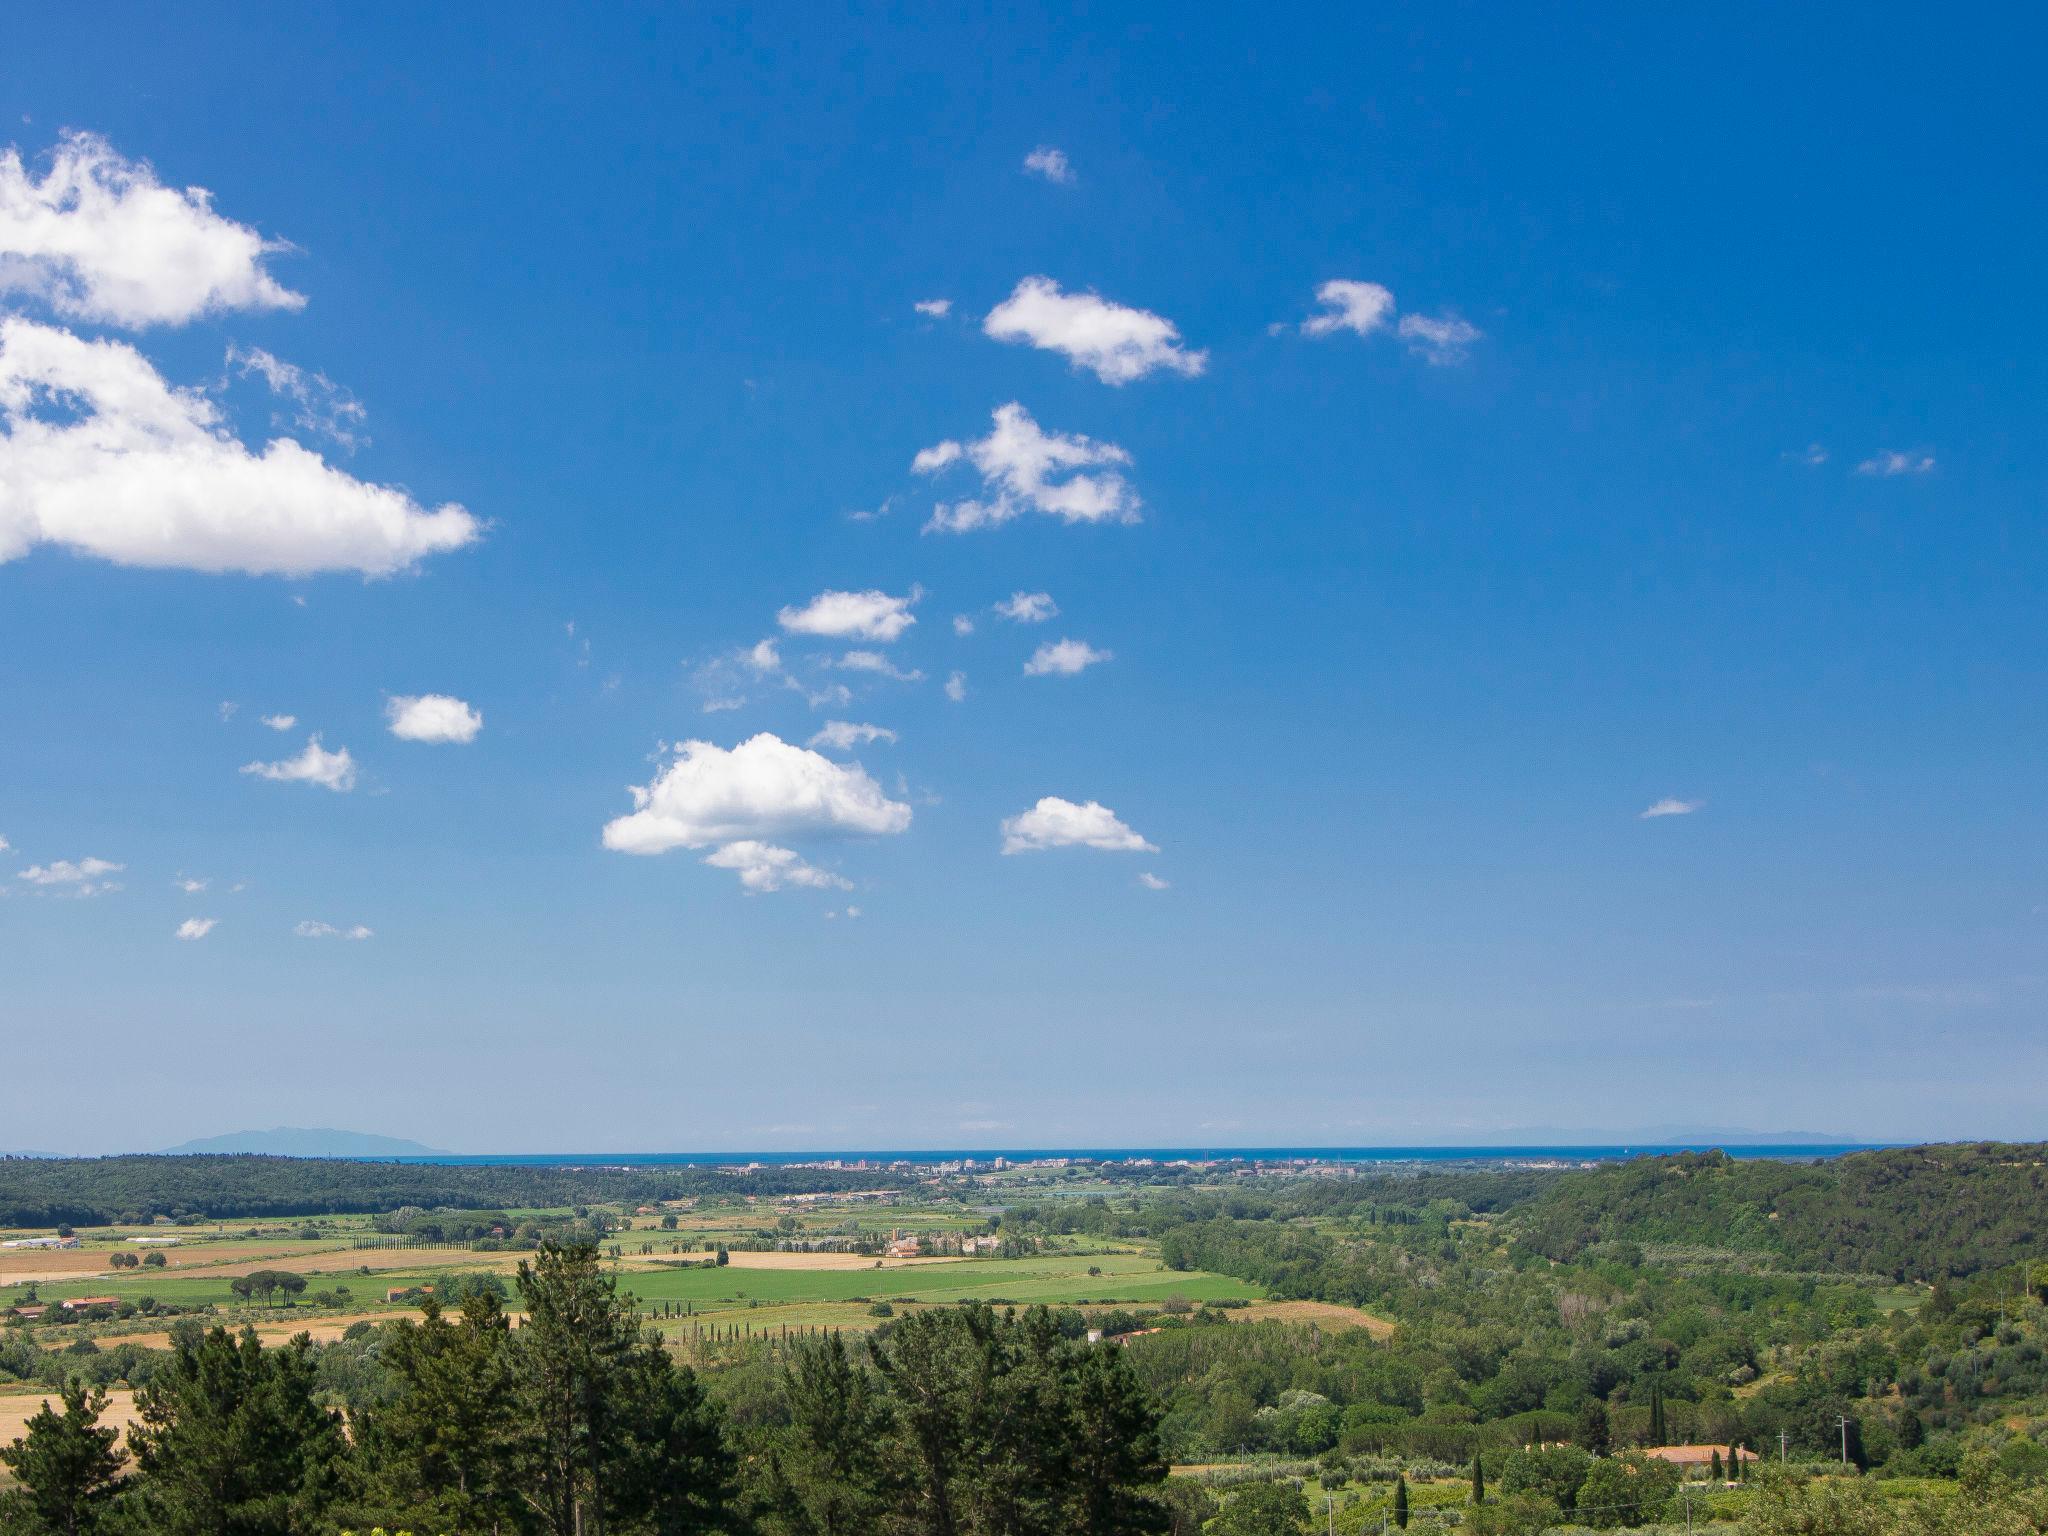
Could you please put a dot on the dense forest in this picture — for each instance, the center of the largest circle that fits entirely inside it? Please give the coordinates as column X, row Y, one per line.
column 1914, row 1213
column 91, row 1191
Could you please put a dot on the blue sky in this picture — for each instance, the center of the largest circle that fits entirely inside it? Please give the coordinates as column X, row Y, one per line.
column 596, row 350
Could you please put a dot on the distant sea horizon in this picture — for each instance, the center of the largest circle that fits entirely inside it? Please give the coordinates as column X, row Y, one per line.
column 1782, row 1151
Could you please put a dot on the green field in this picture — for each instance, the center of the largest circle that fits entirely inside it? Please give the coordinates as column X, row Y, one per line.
column 1046, row 1278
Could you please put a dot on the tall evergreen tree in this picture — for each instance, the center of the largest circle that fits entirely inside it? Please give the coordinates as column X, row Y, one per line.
column 825, row 1474
column 230, row 1441
column 440, row 1453
column 67, row 1467
column 614, row 1433
column 1401, row 1500
column 1592, row 1433
column 1478, row 1479
column 1116, row 1454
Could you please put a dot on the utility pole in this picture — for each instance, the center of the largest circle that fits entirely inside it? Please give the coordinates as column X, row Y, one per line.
column 1843, row 1420
column 1781, row 1447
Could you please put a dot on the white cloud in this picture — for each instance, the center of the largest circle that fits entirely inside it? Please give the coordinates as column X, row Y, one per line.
column 1050, row 163
column 763, row 657
column 1057, row 823
column 100, row 238
column 963, row 626
column 189, row 885
column 1152, row 882
column 1350, row 306
column 86, row 877
column 876, row 662
column 1439, row 340
column 5, row 846
column 1813, row 455
column 760, row 789
column 870, row 615
column 227, row 710
column 1115, row 343
column 765, row 867
column 196, row 927
column 937, row 309
column 100, row 455
column 315, row 765
column 841, row 735
column 1889, row 464
column 1063, row 658
column 434, row 717
column 325, row 409
column 956, row 687
column 280, row 722
column 314, row 930
column 1029, row 608
column 1669, row 807
column 1029, row 470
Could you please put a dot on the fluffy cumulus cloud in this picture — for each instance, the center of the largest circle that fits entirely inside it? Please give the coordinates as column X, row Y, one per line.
column 1115, row 343
column 99, row 238
column 1439, row 340
column 1348, row 305
column 956, row 687
column 83, row 877
column 1889, row 465
column 844, row 735
column 316, row 765
column 195, row 928
column 1025, row 469
column 762, row 789
column 318, row 930
column 1669, row 807
column 1028, row 608
column 934, row 309
column 1050, row 163
column 432, row 717
column 1153, row 882
column 280, row 722
column 765, row 867
column 870, row 615
column 963, row 626
column 1063, row 658
column 99, row 454
column 1057, row 823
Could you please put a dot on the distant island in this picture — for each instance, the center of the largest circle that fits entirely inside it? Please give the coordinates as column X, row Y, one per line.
column 298, row 1141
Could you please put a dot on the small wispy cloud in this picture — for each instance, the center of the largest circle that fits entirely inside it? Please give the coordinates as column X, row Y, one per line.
column 195, row 928
column 1051, row 163
column 280, row 722
column 1064, row 658
column 1669, row 807
column 936, row 309
column 1891, row 464
column 1813, row 455
column 318, row 930
column 956, row 687
column 1439, row 340
column 1152, row 882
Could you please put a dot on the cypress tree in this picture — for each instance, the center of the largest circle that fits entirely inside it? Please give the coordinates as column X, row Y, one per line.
column 1714, row 1469
column 1401, row 1500
column 1734, row 1462
column 1478, row 1480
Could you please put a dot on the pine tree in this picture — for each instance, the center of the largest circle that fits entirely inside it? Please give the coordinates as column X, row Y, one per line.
column 1115, row 1454
column 825, row 1475
column 67, row 1468
column 613, row 1428
column 230, row 1441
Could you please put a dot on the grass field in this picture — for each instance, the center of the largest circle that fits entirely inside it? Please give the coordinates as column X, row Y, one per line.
column 1126, row 1278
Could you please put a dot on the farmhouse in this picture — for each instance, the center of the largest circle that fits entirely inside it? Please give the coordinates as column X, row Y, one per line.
column 902, row 1248
column 1697, row 1455
column 91, row 1301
